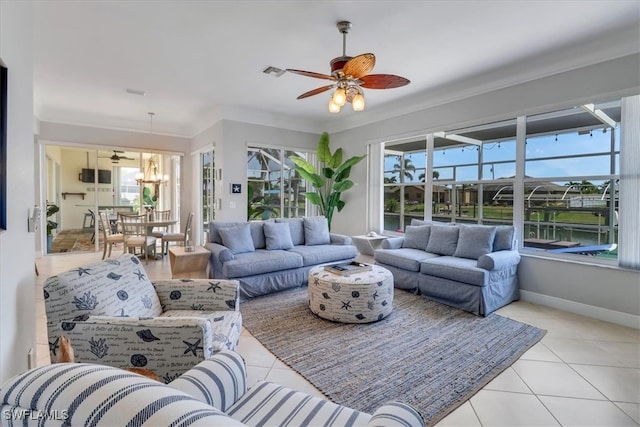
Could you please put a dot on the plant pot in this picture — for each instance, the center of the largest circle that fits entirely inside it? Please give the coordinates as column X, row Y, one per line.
column 49, row 243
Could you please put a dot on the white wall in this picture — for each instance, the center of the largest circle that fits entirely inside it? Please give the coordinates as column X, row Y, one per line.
column 17, row 274
column 602, row 292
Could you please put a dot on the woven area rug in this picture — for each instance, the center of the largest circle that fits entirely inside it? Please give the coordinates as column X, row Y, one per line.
column 427, row 354
column 73, row 240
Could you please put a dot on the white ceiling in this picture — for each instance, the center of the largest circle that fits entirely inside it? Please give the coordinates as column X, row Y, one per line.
column 200, row 61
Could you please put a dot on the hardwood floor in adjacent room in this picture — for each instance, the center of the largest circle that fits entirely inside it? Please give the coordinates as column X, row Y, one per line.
column 584, row 371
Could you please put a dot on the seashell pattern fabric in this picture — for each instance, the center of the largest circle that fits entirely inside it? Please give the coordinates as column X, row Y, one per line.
column 360, row 298
column 115, row 316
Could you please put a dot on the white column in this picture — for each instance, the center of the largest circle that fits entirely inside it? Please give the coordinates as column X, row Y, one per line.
column 629, row 191
column 375, row 195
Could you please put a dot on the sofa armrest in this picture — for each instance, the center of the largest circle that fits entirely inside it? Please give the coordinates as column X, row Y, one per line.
column 499, row 260
column 219, row 381
column 396, row 414
column 65, row 394
column 222, row 253
column 340, row 239
column 198, row 294
column 392, row 243
column 168, row 346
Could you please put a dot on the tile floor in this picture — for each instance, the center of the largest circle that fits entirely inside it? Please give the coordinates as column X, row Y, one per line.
column 584, row 372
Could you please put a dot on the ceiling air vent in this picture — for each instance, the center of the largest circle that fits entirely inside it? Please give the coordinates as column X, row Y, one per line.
column 274, row 71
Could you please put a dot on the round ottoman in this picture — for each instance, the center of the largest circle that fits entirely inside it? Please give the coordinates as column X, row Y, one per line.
column 360, row 298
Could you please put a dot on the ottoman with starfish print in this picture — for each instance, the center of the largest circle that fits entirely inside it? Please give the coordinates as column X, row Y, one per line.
column 359, row 298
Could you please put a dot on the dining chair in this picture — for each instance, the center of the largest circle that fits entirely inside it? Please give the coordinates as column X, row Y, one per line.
column 134, row 229
column 159, row 232
column 109, row 238
column 178, row 237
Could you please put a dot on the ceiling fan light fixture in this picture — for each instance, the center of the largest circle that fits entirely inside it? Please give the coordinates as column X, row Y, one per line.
column 350, row 75
column 358, row 102
column 333, row 108
column 339, row 97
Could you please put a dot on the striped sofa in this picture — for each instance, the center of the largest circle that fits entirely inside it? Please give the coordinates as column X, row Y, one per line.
column 114, row 315
column 213, row 393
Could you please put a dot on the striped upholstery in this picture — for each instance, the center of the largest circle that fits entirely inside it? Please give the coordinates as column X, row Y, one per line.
column 396, row 414
column 273, row 405
column 219, row 381
column 79, row 394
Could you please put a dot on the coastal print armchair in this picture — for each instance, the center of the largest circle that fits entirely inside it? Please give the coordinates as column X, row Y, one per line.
column 114, row 315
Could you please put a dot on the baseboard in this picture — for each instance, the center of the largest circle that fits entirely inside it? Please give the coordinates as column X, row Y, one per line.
column 620, row 318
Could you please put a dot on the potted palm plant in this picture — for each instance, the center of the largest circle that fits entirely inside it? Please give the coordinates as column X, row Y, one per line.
column 333, row 179
column 51, row 225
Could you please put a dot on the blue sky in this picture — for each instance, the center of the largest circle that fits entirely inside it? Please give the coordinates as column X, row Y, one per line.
column 541, row 148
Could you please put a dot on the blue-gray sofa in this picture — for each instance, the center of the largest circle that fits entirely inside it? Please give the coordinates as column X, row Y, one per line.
column 269, row 256
column 471, row 267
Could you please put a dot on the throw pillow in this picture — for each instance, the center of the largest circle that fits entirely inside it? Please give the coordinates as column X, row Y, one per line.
column 475, row 241
column 277, row 235
column 505, row 235
column 296, row 228
column 316, row 231
column 443, row 240
column 237, row 238
column 416, row 236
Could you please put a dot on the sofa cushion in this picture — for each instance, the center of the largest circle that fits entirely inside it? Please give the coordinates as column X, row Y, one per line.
column 255, row 226
column 237, row 238
column 416, row 236
column 277, row 236
column 405, row 258
column 505, row 238
column 319, row 254
column 316, row 231
column 475, row 241
column 416, row 221
column 259, row 262
column 443, row 240
column 458, row 269
column 296, row 227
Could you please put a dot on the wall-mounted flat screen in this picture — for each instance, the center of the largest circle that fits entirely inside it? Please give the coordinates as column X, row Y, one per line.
column 104, row 176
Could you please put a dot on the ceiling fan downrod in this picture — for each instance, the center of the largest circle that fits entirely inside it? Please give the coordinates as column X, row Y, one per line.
column 344, row 27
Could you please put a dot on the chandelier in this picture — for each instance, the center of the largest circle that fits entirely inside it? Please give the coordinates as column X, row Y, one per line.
column 152, row 174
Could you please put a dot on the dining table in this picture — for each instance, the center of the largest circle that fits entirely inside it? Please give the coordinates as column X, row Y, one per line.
column 113, row 222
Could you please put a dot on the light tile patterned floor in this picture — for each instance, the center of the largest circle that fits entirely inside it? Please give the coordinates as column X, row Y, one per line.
column 584, row 372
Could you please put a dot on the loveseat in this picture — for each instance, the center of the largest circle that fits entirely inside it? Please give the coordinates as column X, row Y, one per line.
column 471, row 267
column 115, row 316
column 269, row 256
column 214, row 393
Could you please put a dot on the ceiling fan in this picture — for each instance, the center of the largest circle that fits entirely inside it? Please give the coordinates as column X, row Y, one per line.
column 350, row 75
column 115, row 158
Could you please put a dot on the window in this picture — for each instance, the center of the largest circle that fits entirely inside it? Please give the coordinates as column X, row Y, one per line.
column 474, row 169
column 404, row 181
column 567, row 197
column 207, row 167
column 275, row 190
column 571, row 180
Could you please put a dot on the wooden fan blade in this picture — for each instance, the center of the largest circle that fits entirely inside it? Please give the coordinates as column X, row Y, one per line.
column 360, row 65
column 316, row 91
column 383, row 81
column 311, row 74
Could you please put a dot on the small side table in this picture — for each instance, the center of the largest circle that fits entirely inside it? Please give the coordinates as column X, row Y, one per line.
column 189, row 265
column 366, row 244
